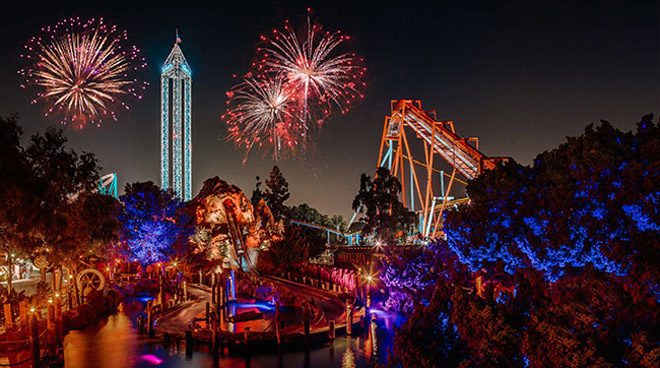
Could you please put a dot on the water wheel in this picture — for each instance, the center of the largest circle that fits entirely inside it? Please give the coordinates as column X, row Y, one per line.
column 90, row 279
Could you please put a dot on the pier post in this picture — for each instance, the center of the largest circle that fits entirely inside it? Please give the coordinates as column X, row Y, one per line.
column 246, row 335
column 278, row 324
column 189, row 344
column 23, row 313
column 34, row 333
column 213, row 299
column 50, row 325
column 331, row 330
column 59, row 333
column 306, row 312
column 349, row 318
column 161, row 291
column 150, row 322
column 214, row 340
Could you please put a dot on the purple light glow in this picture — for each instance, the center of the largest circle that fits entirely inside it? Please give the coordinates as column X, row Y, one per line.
column 151, row 359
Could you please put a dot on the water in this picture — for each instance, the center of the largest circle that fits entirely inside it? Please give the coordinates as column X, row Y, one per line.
column 116, row 343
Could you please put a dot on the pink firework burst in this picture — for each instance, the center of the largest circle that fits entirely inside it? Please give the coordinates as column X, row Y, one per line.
column 318, row 74
column 312, row 75
column 82, row 70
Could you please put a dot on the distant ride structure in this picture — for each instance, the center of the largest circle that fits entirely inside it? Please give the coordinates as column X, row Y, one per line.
column 175, row 114
column 425, row 189
column 108, row 185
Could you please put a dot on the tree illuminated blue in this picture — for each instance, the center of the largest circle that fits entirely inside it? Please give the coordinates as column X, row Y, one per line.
column 152, row 222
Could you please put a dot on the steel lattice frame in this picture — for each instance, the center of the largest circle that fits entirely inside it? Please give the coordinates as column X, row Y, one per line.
column 176, row 72
column 108, row 185
column 438, row 138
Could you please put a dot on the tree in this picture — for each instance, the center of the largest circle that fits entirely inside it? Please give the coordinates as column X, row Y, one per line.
column 277, row 192
column 315, row 238
column 427, row 339
column 593, row 200
column 20, row 201
column 591, row 320
column 153, row 222
column 285, row 254
column 557, row 262
column 384, row 214
column 48, row 207
column 257, row 194
column 61, row 177
column 338, row 223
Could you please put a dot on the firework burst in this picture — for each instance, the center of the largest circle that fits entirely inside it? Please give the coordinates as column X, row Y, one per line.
column 82, row 70
column 318, row 75
column 297, row 81
column 261, row 113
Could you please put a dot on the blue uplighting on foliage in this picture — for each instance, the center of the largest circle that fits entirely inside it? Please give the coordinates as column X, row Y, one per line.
column 643, row 221
column 584, row 246
column 149, row 228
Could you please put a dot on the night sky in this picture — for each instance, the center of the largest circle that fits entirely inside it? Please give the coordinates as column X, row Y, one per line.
column 521, row 77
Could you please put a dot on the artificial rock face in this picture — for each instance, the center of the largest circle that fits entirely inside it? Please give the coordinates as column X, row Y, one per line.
column 220, row 206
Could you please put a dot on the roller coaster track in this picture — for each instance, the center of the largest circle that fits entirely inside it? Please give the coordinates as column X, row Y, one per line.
column 107, row 185
column 419, row 176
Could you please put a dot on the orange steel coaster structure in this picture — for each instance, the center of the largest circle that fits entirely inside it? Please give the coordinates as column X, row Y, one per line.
column 439, row 139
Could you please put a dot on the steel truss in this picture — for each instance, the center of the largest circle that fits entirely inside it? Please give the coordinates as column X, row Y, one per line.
column 177, row 76
column 419, row 176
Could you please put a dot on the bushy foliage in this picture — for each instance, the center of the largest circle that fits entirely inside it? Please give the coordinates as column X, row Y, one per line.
column 561, row 261
column 384, row 215
column 153, row 222
column 427, row 338
column 410, row 275
column 276, row 193
column 593, row 200
column 48, row 205
column 285, row 254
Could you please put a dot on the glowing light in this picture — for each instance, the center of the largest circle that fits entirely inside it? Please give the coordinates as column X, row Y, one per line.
column 151, row 359
column 81, row 70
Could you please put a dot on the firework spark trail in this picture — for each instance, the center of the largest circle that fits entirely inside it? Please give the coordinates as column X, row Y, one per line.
column 313, row 73
column 309, row 75
column 81, row 70
column 262, row 113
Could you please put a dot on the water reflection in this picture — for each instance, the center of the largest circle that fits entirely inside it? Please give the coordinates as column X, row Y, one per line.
column 116, row 343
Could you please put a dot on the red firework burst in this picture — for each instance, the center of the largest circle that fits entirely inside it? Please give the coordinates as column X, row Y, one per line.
column 313, row 76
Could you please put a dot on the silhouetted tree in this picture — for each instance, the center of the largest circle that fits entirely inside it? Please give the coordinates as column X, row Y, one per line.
column 277, row 192
column 384, row 214
column 257, row 194
column 19, row 197
column 315, row 238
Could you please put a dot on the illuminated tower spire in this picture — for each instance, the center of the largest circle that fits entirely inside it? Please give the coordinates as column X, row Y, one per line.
column 176, row 145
